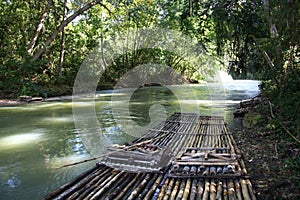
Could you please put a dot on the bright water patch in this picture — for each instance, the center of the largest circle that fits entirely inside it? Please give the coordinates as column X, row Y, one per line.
column 21, row 139
column 57, row 119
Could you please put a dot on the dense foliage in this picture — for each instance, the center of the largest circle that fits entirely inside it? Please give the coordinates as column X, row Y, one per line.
column 43, row 43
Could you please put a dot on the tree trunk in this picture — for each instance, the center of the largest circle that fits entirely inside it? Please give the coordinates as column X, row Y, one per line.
column 191, row 8
column 39, row 27
column 62, row 50
column 64, row 23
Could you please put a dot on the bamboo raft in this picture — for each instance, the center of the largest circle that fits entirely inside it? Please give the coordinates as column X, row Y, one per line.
column 186, row 157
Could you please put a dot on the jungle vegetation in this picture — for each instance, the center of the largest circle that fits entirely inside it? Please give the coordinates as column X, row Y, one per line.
column 44, row 42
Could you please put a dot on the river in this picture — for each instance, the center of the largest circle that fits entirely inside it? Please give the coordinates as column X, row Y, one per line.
column 36, row 139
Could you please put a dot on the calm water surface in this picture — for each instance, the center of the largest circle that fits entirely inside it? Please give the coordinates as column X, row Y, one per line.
column 36, row 139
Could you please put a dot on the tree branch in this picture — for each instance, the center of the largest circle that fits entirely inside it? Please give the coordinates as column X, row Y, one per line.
column 38, row 28
column 64, row 23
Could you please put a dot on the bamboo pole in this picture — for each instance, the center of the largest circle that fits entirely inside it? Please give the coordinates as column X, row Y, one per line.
column 136, row 191
column 126, row 188
column 169, row 189
column 225, row 190
column 213, row 190
column 181, row 189
column 245, row 190
column 219, row 191
column 219, row 170
column 134, row 186
column 212, row 171
column 186, row 169
column 175, row 190
column 250, row 189
column 241, row 162
column 193, row 189
column 163, row 190
column 206, row 190
column 231, row 190
column 200, row 142
column 72, row 182
column 153, row 188
column 79, row 193
column 106, row 185
column 193, row 171
column 79, row 184
column 238, row 190
column 187, row 190
column 106, row 177
column 147, row 187
column 120, row 186
column 206, row 172
column 200, row 189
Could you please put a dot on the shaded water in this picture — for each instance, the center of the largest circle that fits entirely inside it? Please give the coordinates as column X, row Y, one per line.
column 36, row 139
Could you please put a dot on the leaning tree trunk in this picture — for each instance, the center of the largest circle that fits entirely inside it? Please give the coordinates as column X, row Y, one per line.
column 64, row 23
column 39, row 27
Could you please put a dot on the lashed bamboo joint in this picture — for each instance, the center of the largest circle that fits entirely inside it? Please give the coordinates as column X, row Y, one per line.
column 186, row 157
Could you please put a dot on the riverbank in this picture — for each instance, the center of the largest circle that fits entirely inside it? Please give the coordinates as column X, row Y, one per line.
column 16, row 102
column 271, row 162
column 10, row 102
column 272, row 157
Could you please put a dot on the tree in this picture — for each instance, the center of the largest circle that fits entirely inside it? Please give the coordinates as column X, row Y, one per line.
column 62, row 51
column 64, row 23
column 39, row 27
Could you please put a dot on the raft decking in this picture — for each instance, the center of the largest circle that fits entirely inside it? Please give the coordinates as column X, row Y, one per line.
column 186, row 157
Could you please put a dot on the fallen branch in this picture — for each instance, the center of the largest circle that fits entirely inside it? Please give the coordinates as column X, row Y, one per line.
column 271, row 110
column 288, row 132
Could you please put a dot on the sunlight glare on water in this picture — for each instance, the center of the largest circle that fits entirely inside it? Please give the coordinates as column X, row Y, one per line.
column 20, row 138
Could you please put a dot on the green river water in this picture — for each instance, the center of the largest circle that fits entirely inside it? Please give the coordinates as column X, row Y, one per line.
column 36, row 139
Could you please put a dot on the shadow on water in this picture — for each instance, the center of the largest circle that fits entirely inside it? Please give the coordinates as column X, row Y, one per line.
column 36, row 139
